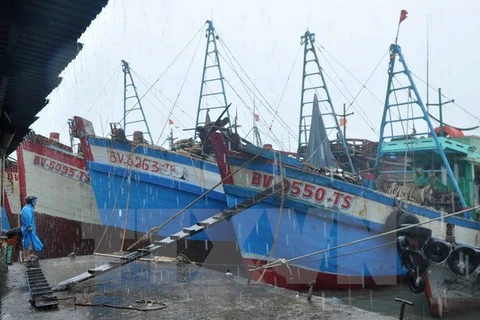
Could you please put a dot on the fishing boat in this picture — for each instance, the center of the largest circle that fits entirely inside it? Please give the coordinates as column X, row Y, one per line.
column 66, row 214
column 11, row 193
column 11, row 206
column 151, row 191
column 326, row 229
column 440, row 178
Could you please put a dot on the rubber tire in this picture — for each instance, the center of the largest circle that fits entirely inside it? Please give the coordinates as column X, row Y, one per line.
column 411, row 278
column 407, row 218
column 399, row 217
column 417, row 232
column 414, row 260
column 437, row 250
column 474, row 260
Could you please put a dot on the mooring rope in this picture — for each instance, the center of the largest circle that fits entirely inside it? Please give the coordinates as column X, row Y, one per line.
column 277, row 263
column 115, row 204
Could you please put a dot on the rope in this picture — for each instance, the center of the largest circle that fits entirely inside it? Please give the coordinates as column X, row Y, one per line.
column 353, row 252
column 157, row 228
column 279, row 221
column 168, row 67
column 284, row 89
column 443, row 95
column 114, row 205
column 149, row 305
column 179, row 92
column 360, row 111
column 128, row 202
column 277, row 263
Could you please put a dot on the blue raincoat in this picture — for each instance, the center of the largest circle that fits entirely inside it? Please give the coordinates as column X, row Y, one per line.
column 30, row 238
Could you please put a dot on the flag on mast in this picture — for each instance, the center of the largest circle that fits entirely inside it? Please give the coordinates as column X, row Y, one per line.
column 403, row 15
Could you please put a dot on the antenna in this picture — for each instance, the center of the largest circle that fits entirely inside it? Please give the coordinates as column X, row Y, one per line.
column 212, row 82
column 312, row 72
column 428, row 68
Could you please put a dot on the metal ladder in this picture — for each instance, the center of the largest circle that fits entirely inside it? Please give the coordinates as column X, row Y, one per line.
column 42, row 294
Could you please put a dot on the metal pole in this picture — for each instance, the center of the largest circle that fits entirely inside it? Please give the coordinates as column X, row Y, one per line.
column 440, row 110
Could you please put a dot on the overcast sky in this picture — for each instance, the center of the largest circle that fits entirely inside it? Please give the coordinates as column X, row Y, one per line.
column 264, row 37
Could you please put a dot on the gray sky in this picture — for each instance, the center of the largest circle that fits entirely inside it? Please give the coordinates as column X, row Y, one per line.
column 264, row 36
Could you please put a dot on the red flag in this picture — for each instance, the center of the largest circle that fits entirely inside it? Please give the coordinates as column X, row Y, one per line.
column 403, row 15
column 257, row 117
column 170, row 121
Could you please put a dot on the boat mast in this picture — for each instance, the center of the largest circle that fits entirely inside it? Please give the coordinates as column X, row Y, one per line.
column 212, row 82
column 312, row 72
column 404, row 140
column 135, row 113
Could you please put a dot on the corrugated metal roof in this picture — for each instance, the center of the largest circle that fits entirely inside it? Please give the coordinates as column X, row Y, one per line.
column 38, row 39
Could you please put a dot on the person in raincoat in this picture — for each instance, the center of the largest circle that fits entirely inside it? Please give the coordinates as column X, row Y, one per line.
column 31, row 241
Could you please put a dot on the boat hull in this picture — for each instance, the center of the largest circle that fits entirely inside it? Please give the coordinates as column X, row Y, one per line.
column 316, row 215
column 141, row 187
column 269, row 233
column 67, row 218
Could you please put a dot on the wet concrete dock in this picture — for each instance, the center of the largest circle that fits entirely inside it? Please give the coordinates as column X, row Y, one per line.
column 179, row 292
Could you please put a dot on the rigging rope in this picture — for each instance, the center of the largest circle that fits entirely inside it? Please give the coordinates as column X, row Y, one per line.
column 249, row 108
column 265, row 101
column 115, row 71
column 443, row 95
column 360, row 111
column 168, row 67
column 179, row 92
column 284, row 89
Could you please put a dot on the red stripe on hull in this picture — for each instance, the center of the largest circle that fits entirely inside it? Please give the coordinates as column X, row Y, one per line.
column 48, row 152
column 439, row 306
column 298, row 278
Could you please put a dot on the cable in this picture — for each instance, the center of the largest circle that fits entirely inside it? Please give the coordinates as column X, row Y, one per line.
column 179, row 92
